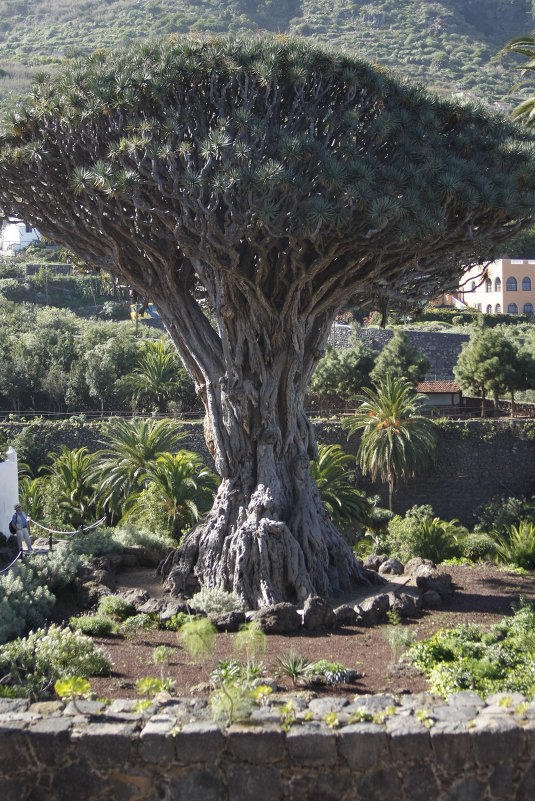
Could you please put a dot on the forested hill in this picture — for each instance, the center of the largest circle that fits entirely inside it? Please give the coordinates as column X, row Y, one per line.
column 448, row 44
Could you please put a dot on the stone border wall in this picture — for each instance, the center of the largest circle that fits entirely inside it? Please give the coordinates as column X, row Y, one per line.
column 415, row 748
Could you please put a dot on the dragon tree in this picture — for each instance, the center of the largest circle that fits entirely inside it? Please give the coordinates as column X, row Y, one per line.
column 251, row 189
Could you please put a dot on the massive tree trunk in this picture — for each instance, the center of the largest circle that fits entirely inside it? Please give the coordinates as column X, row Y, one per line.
column 267, row 536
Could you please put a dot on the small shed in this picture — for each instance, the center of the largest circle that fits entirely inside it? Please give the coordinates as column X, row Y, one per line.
column 441, row 393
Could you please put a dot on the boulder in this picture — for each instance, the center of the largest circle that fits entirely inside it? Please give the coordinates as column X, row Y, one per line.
column 280, row 618
column 228, row 621
column 437, row 581
column 89, row 593
column 135, row 596
column 432, row 600
column 418, row 566
column 374, row 561
column 405, row 604
column 345, row 615
column 317, row 614
column 171, row 609
column 152, row 606
column 391, row 567
column 373, row 610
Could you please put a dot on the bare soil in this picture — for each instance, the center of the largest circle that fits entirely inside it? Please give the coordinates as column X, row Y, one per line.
column 483, row 595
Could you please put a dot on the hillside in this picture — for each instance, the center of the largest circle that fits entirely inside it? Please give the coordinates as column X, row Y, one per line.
column 448, row 44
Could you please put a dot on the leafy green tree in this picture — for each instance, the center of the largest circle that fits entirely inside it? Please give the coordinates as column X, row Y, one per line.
column 341, row 374
column 130, row 447
column 178, row 487
column 396, row 439
column 156, row 378
column 267, row 181
column 488, row 363
column 400, row 359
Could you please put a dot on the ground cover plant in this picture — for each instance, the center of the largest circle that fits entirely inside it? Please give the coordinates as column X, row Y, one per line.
column 499, row 660
column 301, row 207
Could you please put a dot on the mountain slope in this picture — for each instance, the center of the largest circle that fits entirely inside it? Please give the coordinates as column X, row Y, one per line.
column 448, row 44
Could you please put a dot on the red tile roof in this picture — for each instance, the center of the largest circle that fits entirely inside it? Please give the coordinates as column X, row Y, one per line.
column 437, row 386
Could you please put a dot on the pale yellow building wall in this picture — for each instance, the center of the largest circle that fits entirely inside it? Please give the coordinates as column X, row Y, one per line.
column 480, row 298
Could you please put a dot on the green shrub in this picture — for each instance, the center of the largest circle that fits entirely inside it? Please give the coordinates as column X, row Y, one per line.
column 137, row 623
column 34, row 663
column 500, row 513
column 327, row 672
column 25, row 601
column 470, row 658
column 517, row 546
column 478, row 546
column 115, row 607
column 214, row 600
column 93, row 625
column 421, row 534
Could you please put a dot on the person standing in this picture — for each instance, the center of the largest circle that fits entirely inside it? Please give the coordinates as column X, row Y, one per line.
column 20, row 522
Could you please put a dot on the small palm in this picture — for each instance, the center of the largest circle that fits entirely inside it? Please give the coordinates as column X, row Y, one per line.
column 154, row 378
column 396, row 439
column 331, row 472
column 131, row 446
column 72, row 474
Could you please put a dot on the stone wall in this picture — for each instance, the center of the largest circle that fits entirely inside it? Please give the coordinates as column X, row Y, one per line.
column 475, row 460
column 414, row 748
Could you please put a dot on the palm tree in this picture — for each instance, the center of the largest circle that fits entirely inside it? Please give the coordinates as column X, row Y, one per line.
column 181, row 485
column 524, row 46
column 131, row 446
column 71, row 479
column 343, row 502
column 396, row 439
column 156, row 376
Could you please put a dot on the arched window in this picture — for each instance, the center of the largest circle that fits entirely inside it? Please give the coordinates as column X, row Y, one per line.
column 489, row 309
column 497, row 309
column 473, row 287
column 511, row 285
column 488, row 285
column 512, row 308
column 528, row 308
column 526, row 284
column 498, row 285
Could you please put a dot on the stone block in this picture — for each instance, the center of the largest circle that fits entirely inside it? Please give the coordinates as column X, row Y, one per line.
column 452, row 746
column 256, row 745
column 250, row 783
column 379, row 785
column 363, row 745
column 199, row 742
column 420, row 784
column 156, row 741
column 311, row 744
column 468, row 788
column 103, row 743
column 197, row 785
column 496, row 739
column 408, row 739
column 319, row 786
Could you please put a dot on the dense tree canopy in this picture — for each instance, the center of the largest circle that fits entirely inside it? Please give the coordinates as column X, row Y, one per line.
column 270, row 182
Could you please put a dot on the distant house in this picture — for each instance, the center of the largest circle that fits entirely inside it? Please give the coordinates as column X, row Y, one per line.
column 440, row 393
column 17, row 235
column 506, row 287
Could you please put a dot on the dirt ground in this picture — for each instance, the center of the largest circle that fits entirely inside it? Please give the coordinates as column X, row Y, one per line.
column 483, row 595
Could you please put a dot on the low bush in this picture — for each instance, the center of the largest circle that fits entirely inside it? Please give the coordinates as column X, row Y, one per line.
column 93, row 625
column 517, row 546
column 470, row 658
column 32, row 664
column 477, row 547
column 134, row 625
column 421, row 534
column 115, row 607
column 214, row 600
column 25, row 600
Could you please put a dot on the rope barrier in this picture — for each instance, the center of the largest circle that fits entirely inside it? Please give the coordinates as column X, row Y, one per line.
column 81, row 530
column 15, row 560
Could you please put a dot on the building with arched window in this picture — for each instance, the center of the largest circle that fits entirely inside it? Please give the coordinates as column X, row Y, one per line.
column 506, row 284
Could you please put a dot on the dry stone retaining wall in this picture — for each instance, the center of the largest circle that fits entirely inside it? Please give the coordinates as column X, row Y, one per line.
column 414, row 748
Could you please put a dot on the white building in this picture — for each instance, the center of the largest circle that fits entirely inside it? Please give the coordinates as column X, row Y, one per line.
column 16, row 236
column 9, row 489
